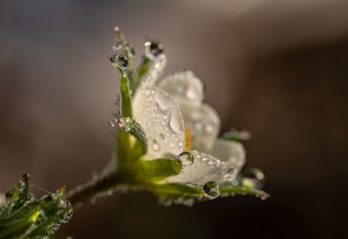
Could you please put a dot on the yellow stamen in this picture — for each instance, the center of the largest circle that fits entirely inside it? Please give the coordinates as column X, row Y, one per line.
column 188, row 140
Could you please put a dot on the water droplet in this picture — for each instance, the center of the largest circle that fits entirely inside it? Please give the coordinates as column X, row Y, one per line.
column 117, row 46
column 198, row 126
column 211, row 190
column 122, row 60
column 186, row 159
column 175, row 122
column 230, row 173
column 253, row 178
column 155, row 145
column 209, row 128
column 153, row 49
column 162, row 104
column 191, row 94
column 162, row 136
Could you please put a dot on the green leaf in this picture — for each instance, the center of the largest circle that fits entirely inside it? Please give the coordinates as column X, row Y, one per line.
column 126, row 102
column 236, row 135
column 234, row 189
column 130, row 127
column 142, row 70
column 140, row 146
column 25, row 216
column 157, row 169
column 177, row 190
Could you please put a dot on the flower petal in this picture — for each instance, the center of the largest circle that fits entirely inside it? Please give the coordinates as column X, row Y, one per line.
column 205, row 168
column 229, row 151
column 204, row 125
column 161, row 119
column 155, row 71
column 184, row 87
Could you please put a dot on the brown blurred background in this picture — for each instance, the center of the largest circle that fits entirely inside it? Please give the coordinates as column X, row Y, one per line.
column 276, row 68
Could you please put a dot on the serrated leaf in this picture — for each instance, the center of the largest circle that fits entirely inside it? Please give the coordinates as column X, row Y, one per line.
column 234, row 189
column 25, row 216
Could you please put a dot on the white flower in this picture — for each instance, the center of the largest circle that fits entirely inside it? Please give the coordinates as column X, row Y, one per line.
column 170, row 108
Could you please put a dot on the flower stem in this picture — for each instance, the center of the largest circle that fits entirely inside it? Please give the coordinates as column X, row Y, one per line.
column 93, row 189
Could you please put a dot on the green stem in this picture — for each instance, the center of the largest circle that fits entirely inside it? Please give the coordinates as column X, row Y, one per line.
column 93, row 189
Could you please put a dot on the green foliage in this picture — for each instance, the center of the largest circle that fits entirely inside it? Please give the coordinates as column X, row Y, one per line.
column 236, row 135
column 25, row 216
column 158, row 169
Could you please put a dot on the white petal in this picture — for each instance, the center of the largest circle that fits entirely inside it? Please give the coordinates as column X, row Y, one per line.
column 229, row 151
column 155, row 71
column 204, row 125
column 184, row 87
column 161, row 119
column 205, row 168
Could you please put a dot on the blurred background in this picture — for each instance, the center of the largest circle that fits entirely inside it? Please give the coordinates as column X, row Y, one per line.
column 276, row 68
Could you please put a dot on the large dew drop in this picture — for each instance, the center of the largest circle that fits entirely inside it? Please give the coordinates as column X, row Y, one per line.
column 175, row 122
column 186, row 159
column 211, row 190
column 253, row 178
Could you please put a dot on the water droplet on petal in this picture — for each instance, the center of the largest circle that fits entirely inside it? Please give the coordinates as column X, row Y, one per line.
column 162, row 136
column 186, row 159
column 155, row 145
column 211, row 190
column 230, row 173
column 175, row 122
column 162, row 104
column 153, row 49
column 253, row 178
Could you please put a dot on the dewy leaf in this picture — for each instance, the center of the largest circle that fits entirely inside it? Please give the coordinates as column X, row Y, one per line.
column 235, row 188
column 158, row 169
column 126, row 103
column 177, row 190
column 133, row 128
column 25, row 216
column 142, row 70
column 236, row 135
column 122, row 45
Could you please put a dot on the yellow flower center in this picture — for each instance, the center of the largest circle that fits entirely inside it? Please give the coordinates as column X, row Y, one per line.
column 188, row 140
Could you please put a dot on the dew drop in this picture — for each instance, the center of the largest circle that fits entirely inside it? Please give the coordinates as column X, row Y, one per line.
column 153, row 49
column 162, row 104
column 198, row 126
column 230, row 173
column 162, row 136
column 209, row 128
column 253, row 178
column 155, row 145
column 191, row 94
column 186, row 159
column 117, row 46
column 122, row 60
column 211, row 190
column 175, row 122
